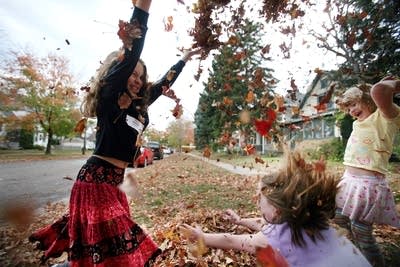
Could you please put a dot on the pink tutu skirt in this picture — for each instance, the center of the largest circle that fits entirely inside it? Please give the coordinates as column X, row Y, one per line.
column 368, row 199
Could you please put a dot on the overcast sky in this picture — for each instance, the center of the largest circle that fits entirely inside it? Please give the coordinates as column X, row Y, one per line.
column 90, row 26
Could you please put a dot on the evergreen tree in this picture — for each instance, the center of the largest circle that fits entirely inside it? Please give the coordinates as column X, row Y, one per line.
column 238, row 88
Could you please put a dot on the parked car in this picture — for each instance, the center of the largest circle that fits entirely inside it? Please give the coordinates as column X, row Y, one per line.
column 157, row 149
column 167, row 150
column 145, row 158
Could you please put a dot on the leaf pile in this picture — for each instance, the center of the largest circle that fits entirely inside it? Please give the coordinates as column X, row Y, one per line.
column 188, row 190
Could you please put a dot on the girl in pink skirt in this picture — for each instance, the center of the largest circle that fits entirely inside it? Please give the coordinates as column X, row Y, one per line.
column 364, row 197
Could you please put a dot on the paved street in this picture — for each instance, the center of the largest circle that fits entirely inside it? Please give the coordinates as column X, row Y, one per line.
column 37, row 182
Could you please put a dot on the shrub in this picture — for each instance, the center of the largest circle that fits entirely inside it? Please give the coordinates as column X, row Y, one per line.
column 332, row 150
column 26, row 139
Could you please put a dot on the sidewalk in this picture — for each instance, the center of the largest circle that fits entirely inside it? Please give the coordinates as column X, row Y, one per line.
column 234, row 169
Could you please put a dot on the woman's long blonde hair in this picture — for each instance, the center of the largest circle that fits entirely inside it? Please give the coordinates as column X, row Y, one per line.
column 89, row 105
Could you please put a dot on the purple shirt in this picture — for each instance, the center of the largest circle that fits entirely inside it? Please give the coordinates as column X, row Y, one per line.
column 333, row 251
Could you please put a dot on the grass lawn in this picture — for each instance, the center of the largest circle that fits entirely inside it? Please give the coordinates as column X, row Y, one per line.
column 35, row 154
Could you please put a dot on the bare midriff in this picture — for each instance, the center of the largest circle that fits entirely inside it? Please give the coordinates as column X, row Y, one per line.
column 116, row 162
column 359, row 171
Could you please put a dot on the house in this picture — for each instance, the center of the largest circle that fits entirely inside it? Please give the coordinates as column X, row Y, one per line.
column 10, row 139
column 307, row 123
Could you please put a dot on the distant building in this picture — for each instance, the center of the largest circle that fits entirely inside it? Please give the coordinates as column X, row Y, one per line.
column 9, row 139
column 302, row 120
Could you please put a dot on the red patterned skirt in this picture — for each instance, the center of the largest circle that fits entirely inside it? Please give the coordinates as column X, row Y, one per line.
column 98, row 230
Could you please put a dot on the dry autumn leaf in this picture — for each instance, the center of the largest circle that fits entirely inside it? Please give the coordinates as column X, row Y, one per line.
column 19, row 214
column 206, row 152
column 80, row 126
column 263, row 126
column 124, row 101
column 259, row 160
column 128, row 32
column 270, row 257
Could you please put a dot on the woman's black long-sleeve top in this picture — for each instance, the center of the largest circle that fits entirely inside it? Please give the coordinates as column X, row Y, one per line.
column 117, row 132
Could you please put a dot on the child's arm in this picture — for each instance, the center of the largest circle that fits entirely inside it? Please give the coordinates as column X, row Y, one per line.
column 255, row 224
column 227, row 241
column 382, row 94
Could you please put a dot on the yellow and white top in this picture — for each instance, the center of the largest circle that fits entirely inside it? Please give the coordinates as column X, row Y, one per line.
column 371, row 142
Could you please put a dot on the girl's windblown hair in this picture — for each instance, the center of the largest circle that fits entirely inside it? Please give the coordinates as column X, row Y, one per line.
column 304, row 193
column 89, row 104
column 355, row 94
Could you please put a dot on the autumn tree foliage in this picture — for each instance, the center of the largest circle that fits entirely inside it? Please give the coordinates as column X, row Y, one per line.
column 239, row 87
column 365, row 34
column 180, row 132
column 44, row 89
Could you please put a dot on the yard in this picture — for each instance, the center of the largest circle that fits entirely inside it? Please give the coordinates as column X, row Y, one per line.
column 183, row 189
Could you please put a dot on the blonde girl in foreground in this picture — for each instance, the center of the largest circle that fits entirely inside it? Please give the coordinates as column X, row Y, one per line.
column 365, row 197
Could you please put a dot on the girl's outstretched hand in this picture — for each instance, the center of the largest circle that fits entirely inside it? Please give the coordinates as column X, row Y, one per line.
column 193, row 234
column 232, row 216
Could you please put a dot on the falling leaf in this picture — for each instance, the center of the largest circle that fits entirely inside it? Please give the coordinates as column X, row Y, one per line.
column 227, row 101
column 200, row 249
column 321, row 107
column 266, row 49
column 177, row 111
column 68, row 178
column 328, row 95
column 250, row 149
column 66, row 40
column 128, row 32
column 351, row 39
column 318, row 71
column 206, row 152
column 168, row 25
column 124, row 101
column 320, row 165
column 259, row 160
column 19, row 214
column 263, row 126
column 171, row 74
column 80, row 126
column 85, row 88
column 250, row 96
column 294, row 127
column 244, row 116
column 279, row 101
column 295, row 110
column 270, row 257
column 233, row 40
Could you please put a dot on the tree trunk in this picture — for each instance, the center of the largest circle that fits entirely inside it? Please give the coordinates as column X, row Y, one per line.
column 48, row 146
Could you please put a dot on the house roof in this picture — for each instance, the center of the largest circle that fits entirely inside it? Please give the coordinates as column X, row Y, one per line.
column 310, row 90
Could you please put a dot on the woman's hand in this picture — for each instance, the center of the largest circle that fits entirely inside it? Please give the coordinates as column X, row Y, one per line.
column 232, row 216
column 189, row 53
